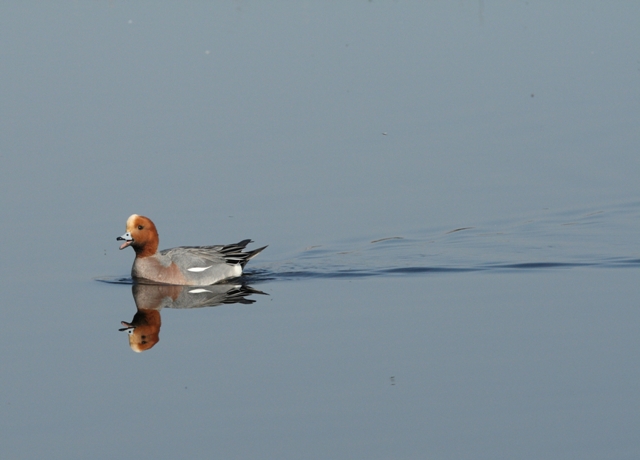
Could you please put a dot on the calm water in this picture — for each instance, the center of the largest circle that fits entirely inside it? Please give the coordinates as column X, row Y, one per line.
column 449, row 194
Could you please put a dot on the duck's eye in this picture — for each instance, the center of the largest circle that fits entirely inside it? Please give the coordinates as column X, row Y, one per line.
column 140, row 227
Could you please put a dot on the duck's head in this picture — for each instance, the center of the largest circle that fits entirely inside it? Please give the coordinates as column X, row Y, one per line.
column 141, row 235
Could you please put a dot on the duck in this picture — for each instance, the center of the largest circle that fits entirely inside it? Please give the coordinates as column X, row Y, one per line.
column 184, row 265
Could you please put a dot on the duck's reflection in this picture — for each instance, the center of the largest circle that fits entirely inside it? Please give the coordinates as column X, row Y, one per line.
column 144, row 328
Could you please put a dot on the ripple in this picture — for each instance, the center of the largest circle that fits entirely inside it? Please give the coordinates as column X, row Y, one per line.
column 600, row 237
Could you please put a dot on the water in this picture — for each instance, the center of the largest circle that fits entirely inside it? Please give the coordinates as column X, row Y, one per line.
column 448, row 191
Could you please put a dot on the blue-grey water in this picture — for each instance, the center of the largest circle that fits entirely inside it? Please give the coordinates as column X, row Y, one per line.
column 449, row 192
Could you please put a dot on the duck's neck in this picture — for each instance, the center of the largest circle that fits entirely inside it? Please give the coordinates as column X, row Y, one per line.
column 147, row 250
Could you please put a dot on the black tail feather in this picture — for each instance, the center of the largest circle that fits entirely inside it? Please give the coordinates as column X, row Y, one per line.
column 233, row 253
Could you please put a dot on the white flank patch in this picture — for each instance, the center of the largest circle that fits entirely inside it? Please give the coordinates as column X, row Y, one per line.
column 197, row 291
column 198, row 269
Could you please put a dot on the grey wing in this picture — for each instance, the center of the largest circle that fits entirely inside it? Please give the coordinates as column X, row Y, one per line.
column 187, row 256
column 210, row 264
column 229, row 253
column 202, row 265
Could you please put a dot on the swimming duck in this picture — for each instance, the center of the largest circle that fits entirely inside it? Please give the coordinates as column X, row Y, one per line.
column 184, row 265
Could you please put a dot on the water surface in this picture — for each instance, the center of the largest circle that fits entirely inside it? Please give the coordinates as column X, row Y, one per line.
column 450, row 198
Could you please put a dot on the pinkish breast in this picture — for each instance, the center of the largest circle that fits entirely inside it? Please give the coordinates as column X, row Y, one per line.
column 151, row 269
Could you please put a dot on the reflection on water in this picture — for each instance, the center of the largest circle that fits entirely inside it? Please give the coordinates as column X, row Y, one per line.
column 144, row 328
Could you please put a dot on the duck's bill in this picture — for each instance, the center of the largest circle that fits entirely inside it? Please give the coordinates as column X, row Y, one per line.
column 127, row 240
column 127, row 327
